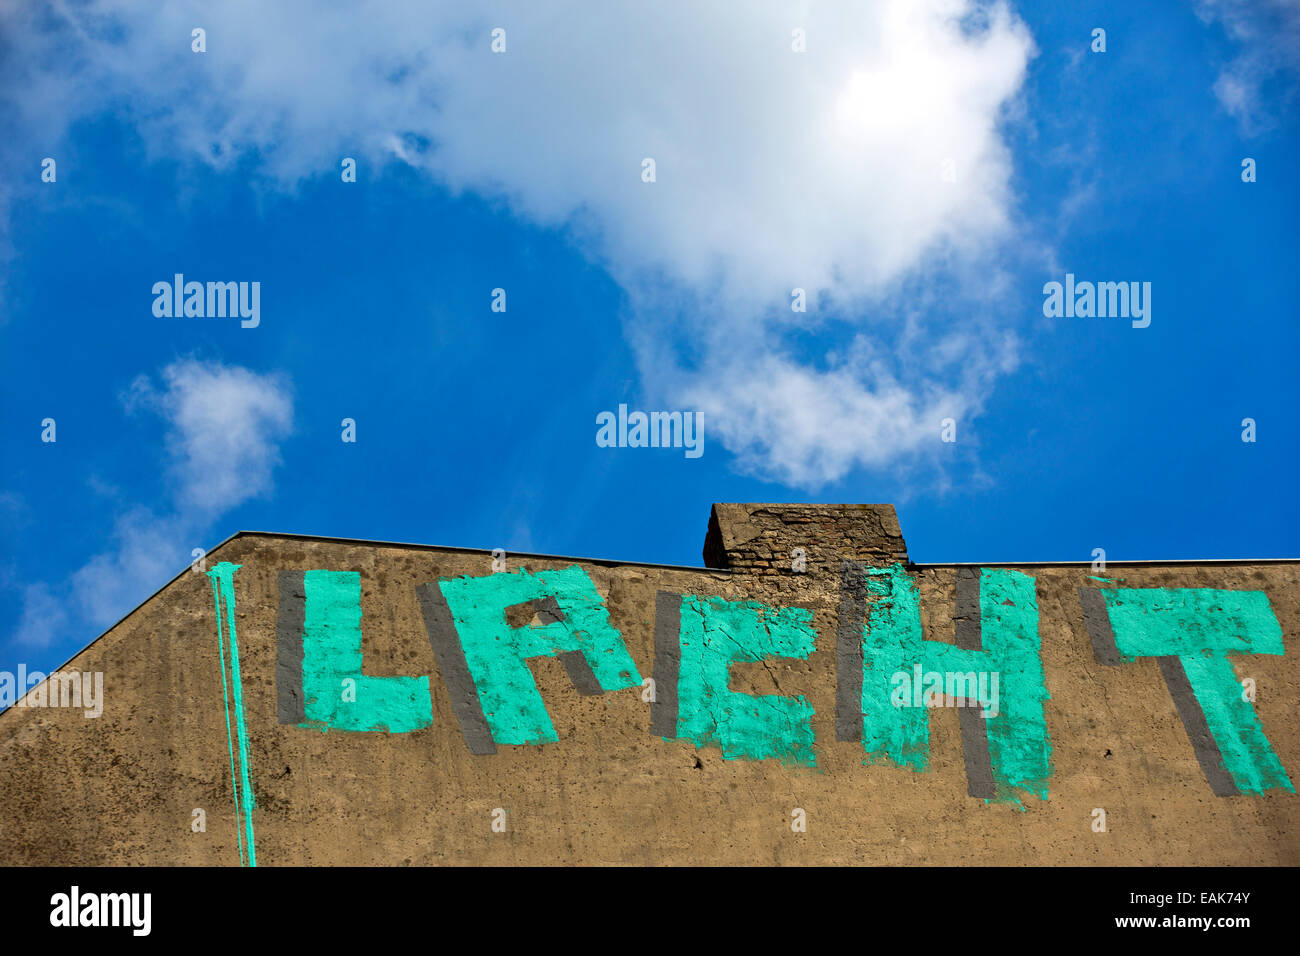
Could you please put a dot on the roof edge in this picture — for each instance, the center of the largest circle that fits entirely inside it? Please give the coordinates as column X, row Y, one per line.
column 609, row 562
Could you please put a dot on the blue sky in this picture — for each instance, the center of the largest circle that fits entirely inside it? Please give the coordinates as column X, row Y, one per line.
column 522, row 170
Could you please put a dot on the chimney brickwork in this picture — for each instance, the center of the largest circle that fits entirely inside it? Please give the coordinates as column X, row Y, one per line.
column 762, row 538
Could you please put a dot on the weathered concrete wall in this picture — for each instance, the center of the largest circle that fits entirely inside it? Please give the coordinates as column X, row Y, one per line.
column 1119, row 691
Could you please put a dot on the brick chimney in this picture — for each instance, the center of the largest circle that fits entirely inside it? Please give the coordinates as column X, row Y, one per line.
column 761, row 538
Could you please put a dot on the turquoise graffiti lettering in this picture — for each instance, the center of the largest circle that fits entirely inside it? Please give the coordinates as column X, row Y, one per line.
column 1204, row 629
column 716, row 633
column 335, row 692
column 495, row 651
column 1018, row 742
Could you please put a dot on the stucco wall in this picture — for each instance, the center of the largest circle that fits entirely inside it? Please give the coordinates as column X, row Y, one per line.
column 697, row 776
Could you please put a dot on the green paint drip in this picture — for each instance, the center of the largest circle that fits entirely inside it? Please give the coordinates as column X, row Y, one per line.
column 1019, row 745
column 715, row 633
column 336, row 694
column 223, row 575
column 230, row 737
column 495, row 652
column 1202, row 627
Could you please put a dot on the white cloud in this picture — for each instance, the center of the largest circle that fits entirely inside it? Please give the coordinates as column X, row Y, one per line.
column 148, row 550
column 44, row 616
column 776, row 169
column 1267, row 34
column 224, row 424
column 223, row 429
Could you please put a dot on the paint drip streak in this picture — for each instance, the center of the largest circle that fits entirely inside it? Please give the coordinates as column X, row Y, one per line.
column 230, row 745
column 224, row 575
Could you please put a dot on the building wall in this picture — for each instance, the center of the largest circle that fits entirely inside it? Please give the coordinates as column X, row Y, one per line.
column 1139, row 719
